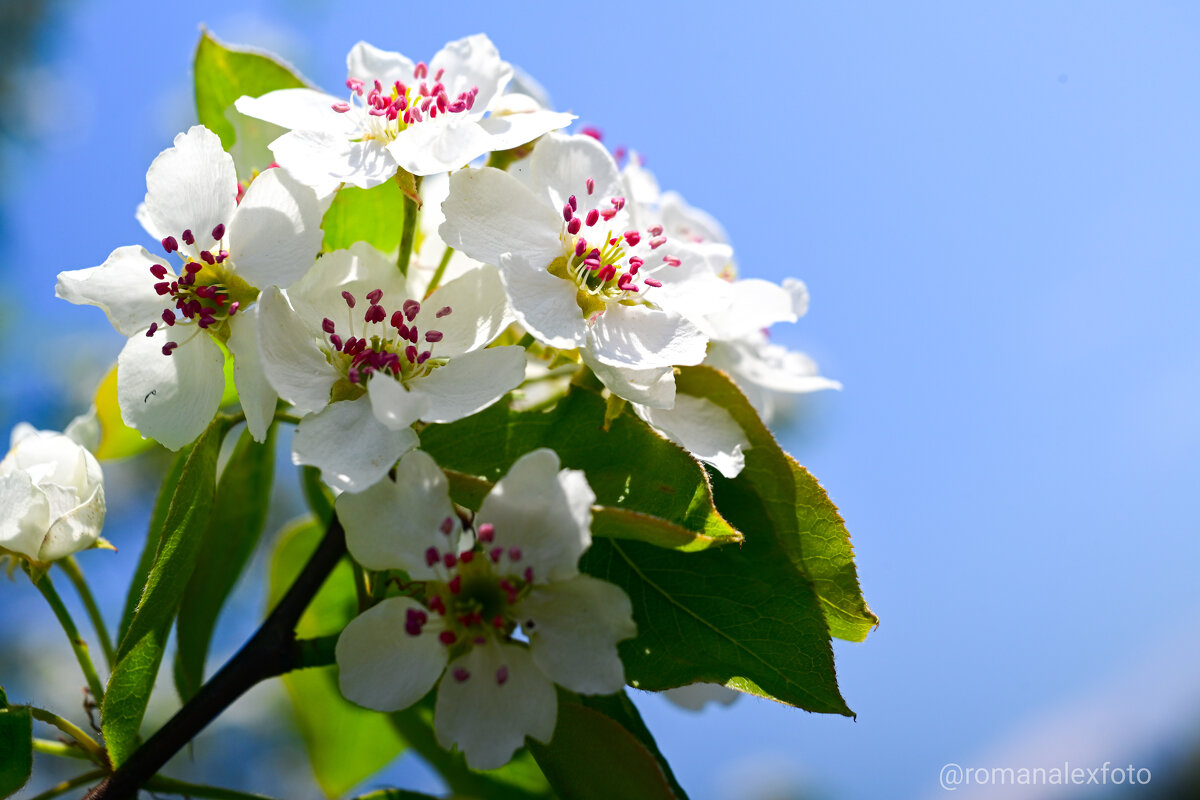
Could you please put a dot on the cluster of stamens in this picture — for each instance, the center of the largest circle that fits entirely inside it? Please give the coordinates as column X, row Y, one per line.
column 476, row 599
column 200, row 296
column 603, row 265
column 392, row 109
column 395, row 351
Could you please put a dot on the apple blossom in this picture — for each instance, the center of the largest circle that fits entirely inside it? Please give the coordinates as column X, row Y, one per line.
column 170, row 374
column 352, row 347
column 52, row 493
column 422, row 118
column 516, row 568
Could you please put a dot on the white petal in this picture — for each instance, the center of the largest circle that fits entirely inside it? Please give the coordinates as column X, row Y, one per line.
column 257, row 396
column 275, row 235
column 489, row 213
column 351, row 448
column 470, row 382
column 686, row 222
column 361, row 269
column 799, row 292
column 122, row 287
column 704, row 429
column 393, row 523
column 561, row 165
column 654, row 387
column 316, row 158
column 544, row 304
column 695, row 696
column 291, row 359
column 640, row 182
column 85, row 429
column 773, row 366
column 436, row 146
column 479, row 311
column 640, row 337
column 487, row 719
column 513, row 130
column 171, row 398
column 393, row 404
column 545, row 513
column 77, row 527
column 299, row 109
column 383, row 667
column 368, row 63
column 26, row 515
column 576, row 625
column 192, row 186
column 472, row 62
column 754, row 305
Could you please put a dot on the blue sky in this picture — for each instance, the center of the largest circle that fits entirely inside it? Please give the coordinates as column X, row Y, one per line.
column 994, row 207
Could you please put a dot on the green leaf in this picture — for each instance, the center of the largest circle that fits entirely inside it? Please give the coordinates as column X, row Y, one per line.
column 236, row 524
column 581, row 761
column 620, row 708
column 805, row 520
column 16, row 748
column 223, row 74
column 345, row 743
column 365, row 215
column 662, row 495
column 179, row 542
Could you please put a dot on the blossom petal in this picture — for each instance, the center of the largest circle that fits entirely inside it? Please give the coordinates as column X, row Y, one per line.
column 799, row 292
column 394, row 405
column 638, row 336
column 275, row 234
column 315, row 158
column 544, row 513
column 26, row 515
column 769, row 365
column 688, row 222
column 543, row 303
column 654, row 387
column 561, row 165
column 192, row 186
column 122, row 287
column 470, row 382
column 392, row 524
column 704, row 429
column 170, row 398
column 368, row 63
column 489, row 719
column 439, row 146
column 472, row 63
column 257, row 396
column 359, row 270
column 695, row 696
column 299, row 109
column 77, row 525
column 513, row 130
column 489, row 213
column 754, row 305
column 381, row 666
column 573, row 628
column 351, row 448
column 479, row 312
column 291, row 360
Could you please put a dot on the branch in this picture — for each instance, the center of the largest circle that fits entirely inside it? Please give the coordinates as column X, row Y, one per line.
column 270, row 652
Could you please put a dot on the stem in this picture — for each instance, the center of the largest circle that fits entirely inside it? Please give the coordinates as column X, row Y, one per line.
column 360, row 588
column 271, row 651
column 71, row 567
column 409, row 234
column 440, row 271
column 86, row 743
column 68, row 785
column 283, row 416
column 77, row 644
column 160, row 783
column 60, row 749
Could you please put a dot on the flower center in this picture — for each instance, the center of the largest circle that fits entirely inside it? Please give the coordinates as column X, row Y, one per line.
column 608, row 267
column 392, row 109
column 207, row 293
column 394, row 348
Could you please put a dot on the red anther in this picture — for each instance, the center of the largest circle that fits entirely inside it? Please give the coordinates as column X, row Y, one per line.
column 218, row 232
column 425, row 104
column 593, row 217
column 234, row 306
column 336, row 341
column 498, row 622
column 592, row 263
column 608, row 273
column 580, row 246
column 168, row 317
column 441, row 102
column 441, row 71
column 415, row 114
column 421, row 359
column 514, row 553
column 170, row 245
column 501, row 675
column 672, row 260
column 568, row 212
column 421, row 70
column 591, row 184
column 353, row 375
column 349, row 298
column 652, row 282
column 443, row 311
column 632, row 237
column 158, row 271
column 374, row 296
column 168, row 347
column 437, row 605
column 655, row 230
column 594, row 132
column 447, row 637
column 456, row 584
column 608, row 213
column 151, row 331
column 574, row 225
column 327, row 325
column 529, row 575
column 375, row 314
column 657, row 242
column 467, row 557
column 351, row 344
column 187, row 237
column 433, row 336
column 340, row 108
column 397, row 320
column 378, row 85
column 457, row 106
column 618, row 202
column 411, row 308
column 410, row 353
column 623, row 281
column 507, row 587
column 398, row 89
column 162, row 288
column 461, row 674
column 495, row 554
column 450, row 560
column 447, row 526
column 486, row 532
column 619, row 153
column 207, row 257
column 192, row 267
column 413, row 334
column 354, row 84
column 635, row 263
column 432, row 556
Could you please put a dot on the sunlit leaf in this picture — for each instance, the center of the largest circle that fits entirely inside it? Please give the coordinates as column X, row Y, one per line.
column 365, row 215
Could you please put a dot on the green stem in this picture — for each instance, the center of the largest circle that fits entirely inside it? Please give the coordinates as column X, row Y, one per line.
column 440, row 271
column 317, row 652
column 409, row 234
column 360, row 588
column 89, row 745
column 77, row 644
column 283, row 416
column 68, row 785
column 60, row 749
column 75, row 574
column 161, row 783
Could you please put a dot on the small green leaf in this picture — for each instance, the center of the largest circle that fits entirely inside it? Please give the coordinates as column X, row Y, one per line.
column 16, row 748
column 345, row 743
column 662, row 495
column 805, row 520
column 141, row 648
column 223, row 74
column 117, row 440
column 239, row 514
column 365, row 215
column 594, row 757
column 621, row 709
